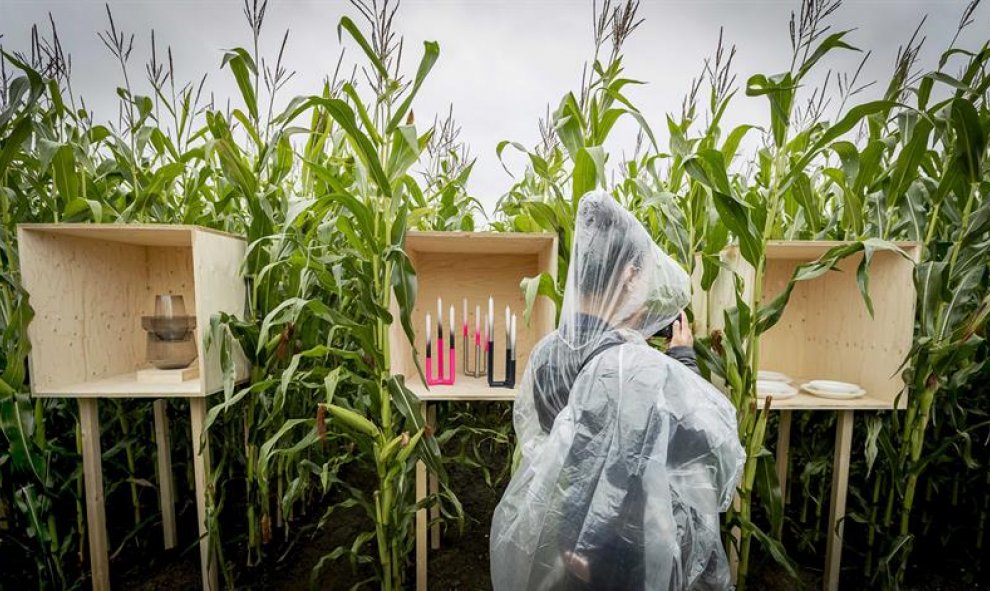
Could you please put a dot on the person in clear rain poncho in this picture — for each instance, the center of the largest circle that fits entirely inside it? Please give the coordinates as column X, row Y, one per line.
column 628, row 456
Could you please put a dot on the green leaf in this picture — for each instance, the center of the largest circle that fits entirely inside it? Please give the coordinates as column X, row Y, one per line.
column 543, row 284
column 17, row 426
column 589, row 171
column 908, row 160
column 431, row 51
column 342, row 113
column 833, row 41
column 346, row 24
column 64, row 172
column 13, row 144
column 244, row 68
column 971, row 141
column 768, row 489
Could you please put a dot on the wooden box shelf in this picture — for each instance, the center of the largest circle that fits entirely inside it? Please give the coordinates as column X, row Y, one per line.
column 90, row 284
column 475, row 265
column 826, row 331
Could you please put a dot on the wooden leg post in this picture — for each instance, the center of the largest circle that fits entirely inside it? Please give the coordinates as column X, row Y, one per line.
column 201, row 467
column 837, row 511
column 166, row 487
column 734, row 548
column 421, row 521
column 783, row 448
column 96, row 520
column 434, row 485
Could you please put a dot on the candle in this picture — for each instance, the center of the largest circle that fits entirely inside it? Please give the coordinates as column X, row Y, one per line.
column 440, row 316
column 512, row 339
column 491, row 316
column 429, row 333
column 477, row 321
column 464, row 318
column 452, row 325
column 507, row 326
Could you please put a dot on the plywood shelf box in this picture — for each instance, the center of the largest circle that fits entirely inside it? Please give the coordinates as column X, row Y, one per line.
column 826, row 331
column 89, row 285
column 454, row 266
column 474, row 265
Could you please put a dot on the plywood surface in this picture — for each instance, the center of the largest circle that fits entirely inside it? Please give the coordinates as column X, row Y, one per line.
column 219, row 288
column 455, row 266
column 805, row 401
column 809, row 250
column 826, row 330
column 90, row 285
column 137, row 234
column 467, row 389
column 89, row 296
column 479, row 242
column 122, row 386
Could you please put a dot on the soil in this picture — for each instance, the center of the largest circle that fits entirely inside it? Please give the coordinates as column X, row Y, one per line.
column 461, row 563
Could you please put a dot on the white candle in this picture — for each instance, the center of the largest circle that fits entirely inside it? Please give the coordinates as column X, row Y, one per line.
column 477, row 319
column 507, row 326
column 440, row 315
column 429, row 329
column 452, row 325
column 464, row 319
column 512, row 339
column 490, row 318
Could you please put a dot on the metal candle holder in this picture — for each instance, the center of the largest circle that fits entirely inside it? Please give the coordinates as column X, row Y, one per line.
column 480, row 360
column 510, row 358
column 438, row 379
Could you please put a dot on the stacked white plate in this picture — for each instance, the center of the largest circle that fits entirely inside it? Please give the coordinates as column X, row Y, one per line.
column 776, row 384
column 834, row 390
column 772, row 376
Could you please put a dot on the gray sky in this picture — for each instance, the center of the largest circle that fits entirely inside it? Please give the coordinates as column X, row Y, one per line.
column 501, row 62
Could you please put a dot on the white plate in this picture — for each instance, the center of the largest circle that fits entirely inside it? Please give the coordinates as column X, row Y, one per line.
column 834, row 387
column 834, row 393
column 772, row 376
column 779, row 390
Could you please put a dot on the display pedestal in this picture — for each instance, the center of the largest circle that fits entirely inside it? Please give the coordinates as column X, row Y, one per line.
column 90, row 285
column 826, row 332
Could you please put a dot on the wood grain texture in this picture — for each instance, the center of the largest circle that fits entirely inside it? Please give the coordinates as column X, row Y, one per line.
column 456, row 265
column 826, row 331
column 90, row 285
column 219, row 288
column 434, row 484
column 96, row 520
column 783, row 454
column 201, row 473
column 166, row 483
column 837, row 508
column 466, row 389
column 139, row 234
column 421, row 522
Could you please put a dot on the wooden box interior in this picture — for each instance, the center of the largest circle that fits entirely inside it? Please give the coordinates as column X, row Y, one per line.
column 826, row 331
column 461, row 265
column 89, row 287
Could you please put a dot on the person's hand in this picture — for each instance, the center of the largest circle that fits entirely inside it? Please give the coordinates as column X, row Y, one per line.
column 682, row 335
column 578, row 566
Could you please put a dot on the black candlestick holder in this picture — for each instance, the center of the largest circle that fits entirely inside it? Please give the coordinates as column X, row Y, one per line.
column 510, row 367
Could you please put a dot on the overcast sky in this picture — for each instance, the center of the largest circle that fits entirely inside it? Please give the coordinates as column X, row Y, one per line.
column 501, row 61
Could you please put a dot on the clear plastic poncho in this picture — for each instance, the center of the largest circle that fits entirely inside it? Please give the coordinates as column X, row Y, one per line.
column 628, row 457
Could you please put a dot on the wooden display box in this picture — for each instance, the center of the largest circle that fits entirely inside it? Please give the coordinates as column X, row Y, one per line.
column 89, row 286
column 826, row 331
column 474, row 265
